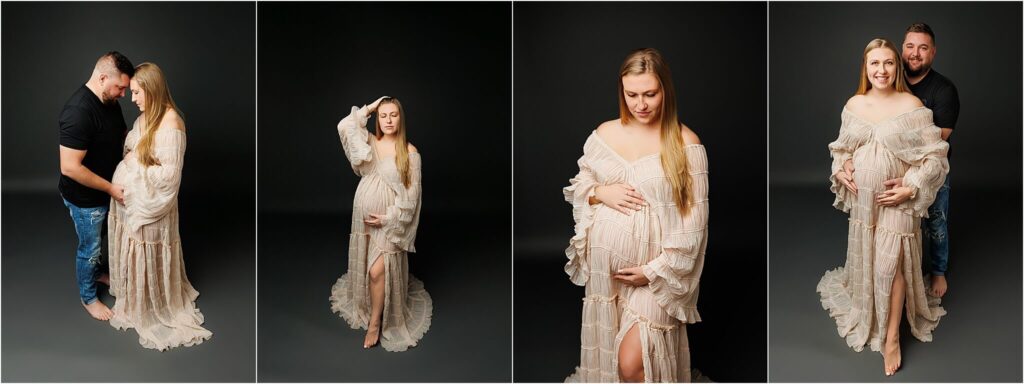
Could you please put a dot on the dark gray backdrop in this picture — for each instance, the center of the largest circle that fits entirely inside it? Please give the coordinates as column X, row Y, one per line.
column 207, row 52
column 816, row 51
column 567, row 58
column 450, row 66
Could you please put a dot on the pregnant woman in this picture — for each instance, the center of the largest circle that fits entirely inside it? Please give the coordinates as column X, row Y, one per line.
column 378, row 293
column 147, row 273
column 887, row 165
column 641, row 210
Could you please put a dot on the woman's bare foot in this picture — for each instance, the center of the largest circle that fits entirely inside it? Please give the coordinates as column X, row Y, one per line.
column 938, row 285
column 99, row 311
column 104, row 278
column 372, row 336
column 891, row 356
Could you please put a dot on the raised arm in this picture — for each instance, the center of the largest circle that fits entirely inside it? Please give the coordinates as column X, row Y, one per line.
column 355, row 139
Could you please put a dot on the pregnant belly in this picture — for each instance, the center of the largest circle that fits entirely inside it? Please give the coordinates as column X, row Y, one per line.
column 627, row 240
column 120, row 174
column 874, row 164
column 372, row 196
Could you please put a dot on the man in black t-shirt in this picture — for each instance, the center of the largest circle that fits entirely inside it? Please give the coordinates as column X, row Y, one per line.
column 92, row 132
column 940, row 95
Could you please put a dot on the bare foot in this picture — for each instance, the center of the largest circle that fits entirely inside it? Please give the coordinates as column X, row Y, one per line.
column 938, row 285
column 104, row 278
column 891, row 357
column 99, row 311
column 372, row 336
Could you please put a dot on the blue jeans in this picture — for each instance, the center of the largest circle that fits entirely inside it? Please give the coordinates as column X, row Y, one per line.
column 89, row 224
column 935, row 233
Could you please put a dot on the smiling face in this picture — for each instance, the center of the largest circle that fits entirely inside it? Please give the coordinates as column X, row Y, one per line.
column 388, row 118
column 918, row 52
column 643, row 96
column 880, row 68
column 138, row 95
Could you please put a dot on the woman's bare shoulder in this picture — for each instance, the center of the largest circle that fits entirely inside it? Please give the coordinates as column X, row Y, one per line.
column 172, row 120
column 689, row 136
column 608, row 126
column 910, row 100
column 854, row 102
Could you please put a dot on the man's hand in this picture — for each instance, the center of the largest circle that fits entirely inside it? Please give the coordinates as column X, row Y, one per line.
column 117, row 193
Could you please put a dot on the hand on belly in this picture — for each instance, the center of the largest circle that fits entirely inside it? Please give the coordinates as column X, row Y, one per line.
column 374, row 220
column 633, row 276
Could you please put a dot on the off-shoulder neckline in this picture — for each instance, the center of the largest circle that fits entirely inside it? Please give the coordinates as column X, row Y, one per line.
column 136, row 127
column 888, row 119
column 623, row 159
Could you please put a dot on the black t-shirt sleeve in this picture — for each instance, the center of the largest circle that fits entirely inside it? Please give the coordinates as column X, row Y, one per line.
column 947, row 107
column 76, row 128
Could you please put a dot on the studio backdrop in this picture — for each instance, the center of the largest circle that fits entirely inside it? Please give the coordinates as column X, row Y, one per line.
column 566, row 61
column 450, row 66
column 207, row 53
column 816, row 51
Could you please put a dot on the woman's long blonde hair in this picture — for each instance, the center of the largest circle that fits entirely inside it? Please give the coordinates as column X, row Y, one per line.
column 158, row 100
column 401, row 145
column 900, row 83
column 673, row 149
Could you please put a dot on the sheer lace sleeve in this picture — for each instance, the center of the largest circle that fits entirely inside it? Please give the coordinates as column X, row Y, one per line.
column 402, row 218
column 151, row 192
column 918, row 142
column 675, row 274
column 578, row 194
column 842, row 150
column 355, row 139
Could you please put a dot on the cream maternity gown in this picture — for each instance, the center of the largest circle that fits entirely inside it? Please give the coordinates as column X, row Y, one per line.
column 147, row 272
column 668, row 245
column 407, row 306
column 857, row 295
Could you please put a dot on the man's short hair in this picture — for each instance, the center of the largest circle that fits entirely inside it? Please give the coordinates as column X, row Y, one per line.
column 120, row 62
column 922, row 28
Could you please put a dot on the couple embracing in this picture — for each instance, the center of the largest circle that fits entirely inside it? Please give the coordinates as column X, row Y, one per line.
column 126, row 182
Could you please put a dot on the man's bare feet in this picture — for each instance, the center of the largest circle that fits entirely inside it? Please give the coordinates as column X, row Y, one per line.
column 99, row 311
column 104, row 278
column 938, row 285
column 372, row 336
column 891, row 356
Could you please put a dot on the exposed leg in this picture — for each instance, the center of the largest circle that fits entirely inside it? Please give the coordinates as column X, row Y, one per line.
column 631, row 361
column 891, row 353
column 376, row 302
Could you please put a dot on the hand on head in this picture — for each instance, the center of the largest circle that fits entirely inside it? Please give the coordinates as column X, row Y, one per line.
column 373, row 106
